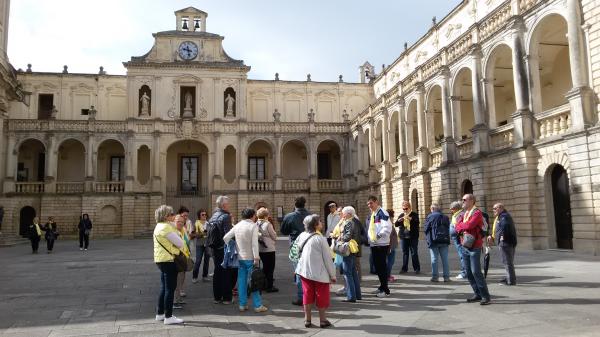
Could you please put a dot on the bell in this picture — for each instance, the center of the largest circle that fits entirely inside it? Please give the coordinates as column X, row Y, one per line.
column 185, row 26
column 197, row 25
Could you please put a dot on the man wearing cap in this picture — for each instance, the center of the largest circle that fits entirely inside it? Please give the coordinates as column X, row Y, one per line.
column 332, row 220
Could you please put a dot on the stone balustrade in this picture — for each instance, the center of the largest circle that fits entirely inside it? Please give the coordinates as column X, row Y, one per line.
column 109, row 187
column 554, row 122
column 260, row 185
column 63, row 187
column 330, row 184
column 435, row 157
column 30, row 187
column 413, row 164
column 295, row 185
column 502, row 137
column 465, row 148
column 525, row 5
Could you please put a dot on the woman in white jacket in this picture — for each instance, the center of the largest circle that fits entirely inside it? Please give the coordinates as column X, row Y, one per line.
column 315, row 268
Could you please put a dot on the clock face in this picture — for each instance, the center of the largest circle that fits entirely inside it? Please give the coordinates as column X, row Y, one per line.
column 188, row 50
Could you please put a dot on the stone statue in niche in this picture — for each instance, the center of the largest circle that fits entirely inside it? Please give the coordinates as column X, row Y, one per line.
column 187, row 102
column 144, row 101
column 229, row 101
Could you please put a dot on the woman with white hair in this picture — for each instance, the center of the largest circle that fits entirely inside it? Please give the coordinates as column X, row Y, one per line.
column 351, row 235
column 315, row 269
column 167, row 245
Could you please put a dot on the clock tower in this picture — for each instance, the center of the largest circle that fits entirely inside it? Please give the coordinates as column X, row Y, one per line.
column 187, row 75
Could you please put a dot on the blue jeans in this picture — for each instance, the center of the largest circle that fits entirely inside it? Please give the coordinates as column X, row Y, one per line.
column 201, row 251
column 168, row 283
column 244, row 273
column 298, row 281
column 390, row 261
column 456, row 241
column 472, row 259
column 441, row 250
column 351, row 277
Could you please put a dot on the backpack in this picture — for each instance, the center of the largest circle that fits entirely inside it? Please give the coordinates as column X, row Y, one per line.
column 440, row 234
column 258, row 281
column 296, row 251
column 214, row 237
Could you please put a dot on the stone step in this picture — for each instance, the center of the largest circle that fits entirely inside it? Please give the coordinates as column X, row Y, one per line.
column 6, row 240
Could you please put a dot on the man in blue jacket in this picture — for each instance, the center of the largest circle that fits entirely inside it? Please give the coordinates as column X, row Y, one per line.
column 293, row 225
column 437, row 234
column 504, row 234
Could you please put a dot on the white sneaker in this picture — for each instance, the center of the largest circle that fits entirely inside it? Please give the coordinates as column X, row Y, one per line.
column 381, row 294
column 173, row 320
column 80, row 248
column 194, row 280
column 85, row 249
column 160, row 317
column 459, row 277
column 341, row 291
column 182, row 294
column 262, row 308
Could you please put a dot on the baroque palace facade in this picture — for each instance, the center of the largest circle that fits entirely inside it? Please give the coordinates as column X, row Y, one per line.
column 498, row 98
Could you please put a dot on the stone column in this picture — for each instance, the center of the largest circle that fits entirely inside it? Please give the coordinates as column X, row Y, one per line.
column 422, row 151
column 218, row 162
column 372, row 153
column 523, row 117
column 156, row 179
column 243, row 177
column 277, row 157
column 11, row 164
column 312, row 173
column 360, row 156
column 385, row 143
column 130, row 163
column 480, row 130
column 581, row 97
column 448, row 144
column 89, row 164
column 403, row 157
column 51, row 164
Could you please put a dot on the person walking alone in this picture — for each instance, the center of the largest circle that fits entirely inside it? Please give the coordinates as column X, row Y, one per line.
column 85, row 228
column 51, row 233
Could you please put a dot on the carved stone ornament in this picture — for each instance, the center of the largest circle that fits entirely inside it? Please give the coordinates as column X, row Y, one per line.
column 185, row 129
column 277, row 116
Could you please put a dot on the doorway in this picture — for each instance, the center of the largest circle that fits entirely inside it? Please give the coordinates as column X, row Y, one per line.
column 561, row 200
column 25, row 220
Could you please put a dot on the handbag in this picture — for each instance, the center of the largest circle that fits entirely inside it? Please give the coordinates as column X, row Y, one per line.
column 468, row 240
column 182, row 262
column 341, row 248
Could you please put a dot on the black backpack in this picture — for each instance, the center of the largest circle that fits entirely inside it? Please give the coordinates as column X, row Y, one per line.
column 258, row 280
column 214, row 237
column 441, row 233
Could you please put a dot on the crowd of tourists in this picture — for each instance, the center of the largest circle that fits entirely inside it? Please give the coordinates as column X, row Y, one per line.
column 244, row 253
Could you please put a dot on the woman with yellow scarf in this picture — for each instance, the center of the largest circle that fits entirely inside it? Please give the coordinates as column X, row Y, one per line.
column 35, row 235
column 408, row 228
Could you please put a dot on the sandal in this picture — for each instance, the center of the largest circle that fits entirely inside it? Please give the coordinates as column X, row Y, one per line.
column 325, row 324
column 307, row 324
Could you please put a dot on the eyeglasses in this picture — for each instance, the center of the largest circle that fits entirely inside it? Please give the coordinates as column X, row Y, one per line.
column 464, row 200
column 203, row 214
column 405, row 209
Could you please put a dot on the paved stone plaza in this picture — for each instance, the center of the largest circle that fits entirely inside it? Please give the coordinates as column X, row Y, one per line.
column 111, row 291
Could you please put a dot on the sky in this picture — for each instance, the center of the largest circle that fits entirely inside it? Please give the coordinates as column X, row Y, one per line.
column 325, row 38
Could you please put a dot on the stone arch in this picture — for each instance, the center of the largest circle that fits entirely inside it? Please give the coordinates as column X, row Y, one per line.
column 466, row 187
column 394, row 135
column 71, row 160
column 260, row 150
column 110, row 162
column 462, row 104
column 186, row 168
column 26, row 215
column 31, row 160
column 411, row 129
column 556, row 216
column 549, row 62
column 499, row 85
column 378, row 154
column 143, row 164
column 229, row 163
column 433, row 116
column 295, row 159
column 329, row 162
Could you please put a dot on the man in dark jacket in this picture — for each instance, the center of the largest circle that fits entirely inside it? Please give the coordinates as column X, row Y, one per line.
column 293, row 225
column 437, row 234
column 408, row 231
column 351, row 231
column 504, row 234
column 222, row 280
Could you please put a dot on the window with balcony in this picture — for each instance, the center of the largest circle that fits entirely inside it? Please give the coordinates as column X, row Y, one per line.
column 117, row 164
column 189, row 175
column 45, row 105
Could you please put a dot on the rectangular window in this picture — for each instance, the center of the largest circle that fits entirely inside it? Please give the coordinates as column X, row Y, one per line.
column 117, row 165
column 45, row 105
column 323, row 166
column 189, row 175
column 85, row 112
column 256, row 168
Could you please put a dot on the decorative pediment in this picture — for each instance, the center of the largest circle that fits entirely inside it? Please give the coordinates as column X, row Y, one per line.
column 326, row 94
column 260, row 92
column 293, row 94
column 187, row 78
column 453, row 29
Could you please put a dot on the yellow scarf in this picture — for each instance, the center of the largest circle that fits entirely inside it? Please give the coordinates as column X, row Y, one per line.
column 37, row 228
column 372, row 234
column 455, row 217
column 199, row 230
column 183, row 235
column 406, row 221
column 337, row 230
column 494, row 228
column 469, row 213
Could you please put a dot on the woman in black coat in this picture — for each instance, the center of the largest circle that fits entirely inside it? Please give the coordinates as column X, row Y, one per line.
column 85, row 227
column 408, row 231
column 51, row 233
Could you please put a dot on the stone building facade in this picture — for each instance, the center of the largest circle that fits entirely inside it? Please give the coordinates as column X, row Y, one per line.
column 498, row 98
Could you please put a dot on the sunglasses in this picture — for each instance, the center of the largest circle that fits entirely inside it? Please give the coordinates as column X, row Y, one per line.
column 405, row 209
